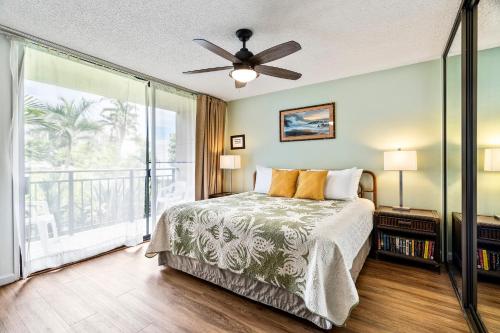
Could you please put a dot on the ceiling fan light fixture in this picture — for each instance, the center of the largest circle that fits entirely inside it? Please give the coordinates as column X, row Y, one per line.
column 243, row 74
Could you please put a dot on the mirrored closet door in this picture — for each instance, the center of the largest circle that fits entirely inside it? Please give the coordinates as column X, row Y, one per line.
column 471, row 205
column 488, row 164
column 453, row 146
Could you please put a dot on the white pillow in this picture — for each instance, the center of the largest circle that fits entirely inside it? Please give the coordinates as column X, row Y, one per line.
column 342, row 184
column 356, row 177
column 263, row 182
column 263, row 179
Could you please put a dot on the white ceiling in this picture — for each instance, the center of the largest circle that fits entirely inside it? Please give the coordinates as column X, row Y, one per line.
column 339, row 38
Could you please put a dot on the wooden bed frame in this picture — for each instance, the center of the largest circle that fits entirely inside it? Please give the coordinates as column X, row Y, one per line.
column 367, row 185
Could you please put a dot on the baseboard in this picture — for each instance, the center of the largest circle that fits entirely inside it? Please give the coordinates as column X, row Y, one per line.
column 9, row 278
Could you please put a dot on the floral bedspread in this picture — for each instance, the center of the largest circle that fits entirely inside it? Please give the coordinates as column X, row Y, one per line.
column 289, row 243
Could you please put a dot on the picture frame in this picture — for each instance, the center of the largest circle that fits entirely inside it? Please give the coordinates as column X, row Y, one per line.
column 315, row 122
column 237, row 141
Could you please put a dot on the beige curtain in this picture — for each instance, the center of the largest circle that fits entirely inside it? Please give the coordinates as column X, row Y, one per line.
column 210, row 121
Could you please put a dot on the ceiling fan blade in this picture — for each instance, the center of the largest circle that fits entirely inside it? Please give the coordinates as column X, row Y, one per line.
column 205, row 70
column 217, row 50
column 239, row 84
column 277, row 72
column 275, row 52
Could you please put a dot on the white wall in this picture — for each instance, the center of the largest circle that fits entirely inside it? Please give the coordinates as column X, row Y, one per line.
column 7, row 273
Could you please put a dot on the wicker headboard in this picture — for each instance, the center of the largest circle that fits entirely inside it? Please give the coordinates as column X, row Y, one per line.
column 367, row 185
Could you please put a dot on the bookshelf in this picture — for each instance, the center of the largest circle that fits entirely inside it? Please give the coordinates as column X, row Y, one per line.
column 488, row 239
column 412, row 236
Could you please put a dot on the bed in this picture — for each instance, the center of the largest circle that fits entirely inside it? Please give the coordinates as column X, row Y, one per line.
column 300, row 256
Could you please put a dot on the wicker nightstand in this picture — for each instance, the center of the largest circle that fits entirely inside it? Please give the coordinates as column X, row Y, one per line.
column 488, row 245
column 412, row 235
column 218, row 195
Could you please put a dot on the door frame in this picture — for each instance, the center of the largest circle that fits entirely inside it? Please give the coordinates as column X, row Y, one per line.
column 467, row 18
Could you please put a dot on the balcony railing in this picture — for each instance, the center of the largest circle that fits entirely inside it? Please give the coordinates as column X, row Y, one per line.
column 66, row 202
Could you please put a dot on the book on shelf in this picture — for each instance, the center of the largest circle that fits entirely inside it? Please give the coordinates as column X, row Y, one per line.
column 406, row 246
column 488, row 260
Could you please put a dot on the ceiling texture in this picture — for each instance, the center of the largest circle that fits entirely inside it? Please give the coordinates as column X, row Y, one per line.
column 339, row 38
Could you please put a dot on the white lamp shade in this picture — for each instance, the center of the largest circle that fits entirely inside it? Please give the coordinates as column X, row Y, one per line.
column 400, row 160
column 230, row 162
column 492, row 159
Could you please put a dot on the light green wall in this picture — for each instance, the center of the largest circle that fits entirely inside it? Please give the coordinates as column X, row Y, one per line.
column 375, row 112
column 453, row 134
column 488, row 128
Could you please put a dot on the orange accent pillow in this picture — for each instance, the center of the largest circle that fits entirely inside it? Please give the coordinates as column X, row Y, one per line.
column 283, row 183
column 311, row 185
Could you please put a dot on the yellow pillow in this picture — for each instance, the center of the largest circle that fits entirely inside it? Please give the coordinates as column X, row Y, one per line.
column 283, row 183
column 311, row 185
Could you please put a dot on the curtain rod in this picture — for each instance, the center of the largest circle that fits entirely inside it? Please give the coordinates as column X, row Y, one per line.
column 91, row 59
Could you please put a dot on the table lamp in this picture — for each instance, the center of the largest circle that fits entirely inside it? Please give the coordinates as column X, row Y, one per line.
column 400, row 160
column 492, row 162
column 230, row 162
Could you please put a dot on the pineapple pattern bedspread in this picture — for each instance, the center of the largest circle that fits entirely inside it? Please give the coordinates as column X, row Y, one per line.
column 289, row 243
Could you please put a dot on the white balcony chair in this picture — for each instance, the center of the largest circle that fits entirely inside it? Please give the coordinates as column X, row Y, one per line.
column 42, row 218
column 170, row 195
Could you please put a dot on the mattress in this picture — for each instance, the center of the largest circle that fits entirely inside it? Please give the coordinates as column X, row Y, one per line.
column 305, row 248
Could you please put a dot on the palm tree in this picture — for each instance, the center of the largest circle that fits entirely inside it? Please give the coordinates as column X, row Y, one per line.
column 122, row 119
column 34, row 111
column 37, row 146
column 68, row 122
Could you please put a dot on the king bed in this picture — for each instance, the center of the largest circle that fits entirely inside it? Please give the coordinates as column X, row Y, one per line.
column 300, row 256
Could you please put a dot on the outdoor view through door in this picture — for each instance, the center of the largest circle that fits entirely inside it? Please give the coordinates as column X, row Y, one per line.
column 85, row 150
column 174, row 151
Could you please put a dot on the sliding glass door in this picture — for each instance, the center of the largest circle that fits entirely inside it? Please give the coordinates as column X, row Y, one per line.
column 174, row 137
column 103, row 155
column 85, row 159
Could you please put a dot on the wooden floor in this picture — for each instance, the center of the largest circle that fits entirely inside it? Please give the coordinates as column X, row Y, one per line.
column 488, row 301
column 488, row 304
column 125, row 292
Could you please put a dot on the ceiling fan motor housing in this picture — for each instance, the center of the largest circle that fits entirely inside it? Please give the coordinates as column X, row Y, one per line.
column 242, row 66
column 244, row 54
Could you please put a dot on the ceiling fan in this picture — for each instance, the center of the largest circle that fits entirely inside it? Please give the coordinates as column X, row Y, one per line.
column 247, row 66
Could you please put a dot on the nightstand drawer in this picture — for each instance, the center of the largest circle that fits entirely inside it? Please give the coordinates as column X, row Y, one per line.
column 408, row 224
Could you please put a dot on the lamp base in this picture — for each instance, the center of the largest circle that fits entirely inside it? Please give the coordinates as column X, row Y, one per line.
column 400, row 208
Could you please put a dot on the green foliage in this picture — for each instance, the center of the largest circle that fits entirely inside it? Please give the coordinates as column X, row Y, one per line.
column 122, row 119
column 34, row 111
column 74, row 134
column 68, row 123
column 171, row 148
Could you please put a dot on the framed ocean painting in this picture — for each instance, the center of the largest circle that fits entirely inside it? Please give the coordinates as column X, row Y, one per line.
column 308, row 123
